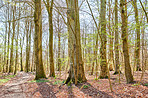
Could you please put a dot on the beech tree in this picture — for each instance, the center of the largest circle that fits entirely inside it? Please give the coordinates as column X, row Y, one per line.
column 11, row 68
column 76, row 71
column 49, row 8
column 137, row 44
column 103, row 64
column 116, row 39
column 128, row 74
column 38, row 41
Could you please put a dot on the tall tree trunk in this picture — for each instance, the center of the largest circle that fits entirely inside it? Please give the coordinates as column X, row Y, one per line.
column 27, row 47
column 38, row 41
column 49, row 8
column 11, row 68
column 128, row 74
column 76, row 73
column 103, row 64
column 9, row 31
column 110, row 41
column 21, row 53
column 5, row 57
column 137, row 48
column 52, row 71
column 116, row 39
column 95, row 45
column 59, row 44
column 16, row 59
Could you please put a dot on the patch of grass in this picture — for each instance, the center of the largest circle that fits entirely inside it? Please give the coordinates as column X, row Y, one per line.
column 39, row 81
column 58, row 82
column 136, row 84
column 10, row 76
column 3, row 81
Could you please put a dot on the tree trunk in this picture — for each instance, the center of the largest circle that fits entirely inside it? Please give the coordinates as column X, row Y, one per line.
column 128, row 74
column 49, row 8
column 16, row 59
column 103, row 65
column 38, row 41
column 59, row 45
column 9, row 31
column 110, row 41
column 116, row 39
column 27, row 47
column 137, row 48
column 76, row 72
column 21, row 53
column 11, row 68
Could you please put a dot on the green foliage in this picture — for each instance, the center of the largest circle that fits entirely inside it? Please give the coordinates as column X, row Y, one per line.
column 10, row 76
column 58, row 82
column 136, row 84
column 69, row 83
column 85, row 86
column 146, row 84
column 3, row 81
column 55, row 77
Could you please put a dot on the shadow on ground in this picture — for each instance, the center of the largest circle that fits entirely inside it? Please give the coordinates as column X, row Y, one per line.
column 92, row 92
column 45, row 90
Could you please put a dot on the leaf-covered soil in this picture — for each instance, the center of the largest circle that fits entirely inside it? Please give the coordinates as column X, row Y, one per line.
column 23, row 85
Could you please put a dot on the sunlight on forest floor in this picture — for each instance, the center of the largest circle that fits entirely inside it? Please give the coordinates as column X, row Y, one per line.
column 23, row 85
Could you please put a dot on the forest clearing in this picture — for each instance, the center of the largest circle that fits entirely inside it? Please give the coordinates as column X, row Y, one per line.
column 73, row 49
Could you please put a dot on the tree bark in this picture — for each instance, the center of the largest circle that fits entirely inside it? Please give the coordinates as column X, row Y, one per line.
column 59, row 45
column 116, row 39
column 110, row 41
column 76, row 72
column 128, row 74
column 38, row 41
column 137, row 48
column 11, row 68
column 103, row 64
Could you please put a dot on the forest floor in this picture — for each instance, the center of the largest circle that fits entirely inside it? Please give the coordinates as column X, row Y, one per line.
column 23, row 85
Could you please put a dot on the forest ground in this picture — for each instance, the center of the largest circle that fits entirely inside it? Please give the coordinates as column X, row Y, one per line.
column 23, row 85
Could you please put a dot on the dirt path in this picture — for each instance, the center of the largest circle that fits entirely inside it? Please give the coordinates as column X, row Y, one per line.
column 16, row 87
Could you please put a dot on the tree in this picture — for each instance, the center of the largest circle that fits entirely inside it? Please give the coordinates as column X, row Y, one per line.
column 11, row 68
column 49, row 8
column 16, row 59
column 76, row 72
column 128, row 74
column 9, row 31
column 137, row 48
column 59, row 43
column 103, row 64
column 27, row 45
column 116, row 39
column 38, row 40
column 110, row 41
